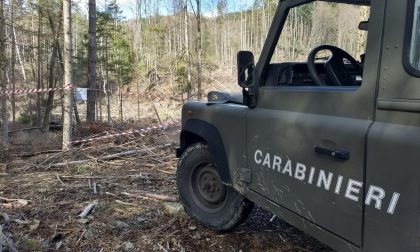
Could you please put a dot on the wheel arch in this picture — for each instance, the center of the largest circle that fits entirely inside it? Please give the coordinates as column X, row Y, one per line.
column 195, row 131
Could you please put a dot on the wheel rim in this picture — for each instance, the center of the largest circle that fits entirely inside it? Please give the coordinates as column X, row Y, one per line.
column 207, row 188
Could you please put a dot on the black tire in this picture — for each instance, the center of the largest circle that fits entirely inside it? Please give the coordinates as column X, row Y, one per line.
column 205, row 198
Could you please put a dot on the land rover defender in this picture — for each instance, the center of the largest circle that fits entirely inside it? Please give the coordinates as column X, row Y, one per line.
column 326, row 139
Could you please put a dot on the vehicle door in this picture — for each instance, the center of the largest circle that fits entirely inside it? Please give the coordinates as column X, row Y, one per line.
column 307, row 143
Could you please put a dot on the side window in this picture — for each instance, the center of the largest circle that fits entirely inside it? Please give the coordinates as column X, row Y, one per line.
column 332, row 35
column 414, row 55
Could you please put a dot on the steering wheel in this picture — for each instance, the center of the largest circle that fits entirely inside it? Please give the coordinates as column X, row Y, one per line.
column 335, row 68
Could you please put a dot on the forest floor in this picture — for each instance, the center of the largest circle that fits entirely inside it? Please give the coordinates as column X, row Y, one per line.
column 42, row 194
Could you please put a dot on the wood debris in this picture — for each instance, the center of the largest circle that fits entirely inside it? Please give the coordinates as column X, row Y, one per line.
column 143, row 195
column 88, row 210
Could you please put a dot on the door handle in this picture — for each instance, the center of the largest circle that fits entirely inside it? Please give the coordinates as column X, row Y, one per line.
column 338, row 154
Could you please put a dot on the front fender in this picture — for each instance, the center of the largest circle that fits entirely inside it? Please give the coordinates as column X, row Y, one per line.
column 195, row 130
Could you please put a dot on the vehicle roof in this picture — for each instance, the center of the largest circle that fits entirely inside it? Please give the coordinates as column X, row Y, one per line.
column 355, row 2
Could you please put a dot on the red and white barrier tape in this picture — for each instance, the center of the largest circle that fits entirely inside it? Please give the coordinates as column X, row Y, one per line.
column 142, row 94
column 33, row 90
column 131, row 132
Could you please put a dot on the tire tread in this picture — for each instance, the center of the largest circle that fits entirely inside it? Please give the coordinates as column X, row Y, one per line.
column 241, row 206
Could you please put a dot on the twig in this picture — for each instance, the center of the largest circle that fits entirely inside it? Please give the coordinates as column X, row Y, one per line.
column 166, row 172
column 81, row 237
column 162, row 248
column 104, row 177
column 58, row 178
column 142, row 195
column 125, row 203
column 52, row 157
column 156, row 112
column 282, row 238
column 94, row 188
column 39, row 153
column 109, row 157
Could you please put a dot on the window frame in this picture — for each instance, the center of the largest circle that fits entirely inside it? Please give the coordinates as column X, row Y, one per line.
column 408, row 39
column 287, row 8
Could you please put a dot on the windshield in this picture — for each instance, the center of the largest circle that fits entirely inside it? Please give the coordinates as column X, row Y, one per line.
column 415, row 38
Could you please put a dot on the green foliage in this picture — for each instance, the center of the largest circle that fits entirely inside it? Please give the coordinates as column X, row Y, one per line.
column 31, row 245
column 80, row 60
column 114, row 48
column 305, row 12
column 25, row 119
column 181, row 75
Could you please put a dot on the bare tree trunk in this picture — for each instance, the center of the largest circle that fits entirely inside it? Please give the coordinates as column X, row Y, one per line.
column 200, row 50
column 51, row 82
column 39, row 68
column 4, row 112
column 120, row 94
column 51, row 78
column 68, row 75
column 91, row 99
column 13, row 61
column 76, row 111
column 107, row 88
column 18, row 54
column 138, row 100
column 187, row 49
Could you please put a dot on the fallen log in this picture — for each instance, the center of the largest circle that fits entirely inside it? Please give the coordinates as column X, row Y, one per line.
column 142, row 195
column 81, row 177
column 19, row 201
column 108, row 157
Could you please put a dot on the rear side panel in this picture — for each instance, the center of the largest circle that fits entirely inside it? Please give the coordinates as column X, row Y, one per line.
column 393, row 149
column 394, row 162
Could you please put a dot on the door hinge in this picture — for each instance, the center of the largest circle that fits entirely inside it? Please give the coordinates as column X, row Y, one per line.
column 245, row 175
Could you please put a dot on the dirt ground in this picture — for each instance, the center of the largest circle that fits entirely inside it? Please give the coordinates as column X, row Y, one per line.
column 42, row 195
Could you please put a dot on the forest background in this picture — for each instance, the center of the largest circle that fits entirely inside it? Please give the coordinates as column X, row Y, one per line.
column 144, row 58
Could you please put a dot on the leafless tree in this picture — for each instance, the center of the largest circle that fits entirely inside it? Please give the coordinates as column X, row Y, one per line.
column 91, row 103
column 4, row 112
column 68, row 74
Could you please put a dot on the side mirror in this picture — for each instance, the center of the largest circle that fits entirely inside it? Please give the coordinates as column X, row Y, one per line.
column 246, row 65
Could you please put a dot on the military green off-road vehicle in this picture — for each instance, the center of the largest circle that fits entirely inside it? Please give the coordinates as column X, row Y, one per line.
column 330, row 144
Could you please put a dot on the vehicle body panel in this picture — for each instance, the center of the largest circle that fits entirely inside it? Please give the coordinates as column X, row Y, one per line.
column 230, row 120
column 378, row 123
column 394, row 143
column 296, row 119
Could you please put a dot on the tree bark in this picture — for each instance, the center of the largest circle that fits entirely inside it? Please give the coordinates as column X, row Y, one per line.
column 200, row 50
column 187, row 49
column 13, row 61
column 107, row 86
column 51, row 78
column 68, row 75
column 91, row 102
column 4, row 112
column 39, row 67
column 51, row 82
